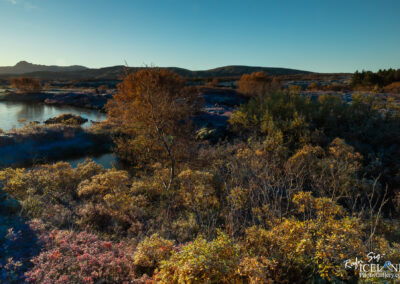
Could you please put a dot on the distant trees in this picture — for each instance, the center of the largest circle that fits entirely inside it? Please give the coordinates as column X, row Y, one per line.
column 380, row 78
column 153, row 109
column 26, row 85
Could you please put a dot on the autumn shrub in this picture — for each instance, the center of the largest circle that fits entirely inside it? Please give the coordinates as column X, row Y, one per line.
column 257, row 270
column 82, row 258
column 48, row 192
column 202, row 262
column 393, row 88
column 199, row 192
column 312, row 245
column 153, row 109
column 300, row 121
column 26, row 85
column 248, row 201
column 332, row 173
column 314, row 86
column 151, row 252
column 109, row 205
column 257, row 84
column 294, row 89
column 278, row 113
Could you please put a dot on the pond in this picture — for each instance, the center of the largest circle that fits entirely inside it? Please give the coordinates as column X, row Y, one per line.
column 18, row 114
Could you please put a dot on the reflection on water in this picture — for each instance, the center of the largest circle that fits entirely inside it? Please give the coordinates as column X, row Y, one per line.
column 108, row 161
column 18, row 114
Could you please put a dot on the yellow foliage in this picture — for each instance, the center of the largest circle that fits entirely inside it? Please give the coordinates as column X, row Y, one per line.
column 198, row 189
column 320, row 243
column 151, row 251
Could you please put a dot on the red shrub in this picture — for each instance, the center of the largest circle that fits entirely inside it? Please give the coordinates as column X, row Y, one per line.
column 82, row 258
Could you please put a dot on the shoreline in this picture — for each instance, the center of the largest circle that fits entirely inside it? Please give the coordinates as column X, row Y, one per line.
column 43, row 143
column 82, row 100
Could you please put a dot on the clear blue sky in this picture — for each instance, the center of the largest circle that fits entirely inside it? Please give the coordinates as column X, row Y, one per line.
column 320, row 35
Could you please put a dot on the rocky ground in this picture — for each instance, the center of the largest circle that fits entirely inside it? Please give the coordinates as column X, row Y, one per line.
column 219, row 105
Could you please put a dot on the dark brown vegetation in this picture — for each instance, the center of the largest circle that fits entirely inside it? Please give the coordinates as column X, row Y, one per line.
column 380, row 78
column 26, row 85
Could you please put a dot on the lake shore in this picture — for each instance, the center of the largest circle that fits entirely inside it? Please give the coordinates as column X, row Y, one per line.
column 45, row 143
column 77, row 99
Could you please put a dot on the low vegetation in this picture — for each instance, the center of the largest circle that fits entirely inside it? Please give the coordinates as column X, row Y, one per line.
column 297, row 188
column 26, row 84
column 68, row 119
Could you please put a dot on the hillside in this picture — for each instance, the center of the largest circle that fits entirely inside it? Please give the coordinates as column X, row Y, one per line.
column 115, row 72
column 24, row 67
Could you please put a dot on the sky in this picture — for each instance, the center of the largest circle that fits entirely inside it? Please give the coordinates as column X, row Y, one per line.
column 320, row 35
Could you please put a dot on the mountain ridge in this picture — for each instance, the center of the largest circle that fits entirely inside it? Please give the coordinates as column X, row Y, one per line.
column 24, row 67
column 75, row 72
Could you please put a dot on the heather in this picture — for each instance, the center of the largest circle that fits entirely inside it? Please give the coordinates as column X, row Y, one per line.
column 293, row 188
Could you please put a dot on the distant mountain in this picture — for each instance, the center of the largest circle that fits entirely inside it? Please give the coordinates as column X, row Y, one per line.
column 239, row 70
column 24, row 67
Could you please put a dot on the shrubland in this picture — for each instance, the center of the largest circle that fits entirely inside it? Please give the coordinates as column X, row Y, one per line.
column 26, row 84
column 299, row 187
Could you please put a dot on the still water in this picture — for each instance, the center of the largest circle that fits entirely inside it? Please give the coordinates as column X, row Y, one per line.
column 18, row 114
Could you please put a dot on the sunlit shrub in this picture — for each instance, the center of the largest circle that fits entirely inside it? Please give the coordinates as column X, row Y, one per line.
column 257, row 84
column 312, row 246
column 202, row 262
column 151, row 251
column 198, row 190
column 256, row 270
column 48, row 192
column 110, row 205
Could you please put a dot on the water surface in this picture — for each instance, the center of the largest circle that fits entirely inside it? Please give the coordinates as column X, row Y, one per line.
column 18, row 114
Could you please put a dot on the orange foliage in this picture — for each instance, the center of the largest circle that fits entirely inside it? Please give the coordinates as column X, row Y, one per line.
column 153, row 108
column 26, row 85
column 257, row 84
